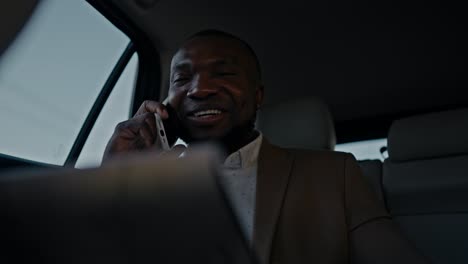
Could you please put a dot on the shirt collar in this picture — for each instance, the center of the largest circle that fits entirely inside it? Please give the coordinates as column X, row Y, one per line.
column 246, row 156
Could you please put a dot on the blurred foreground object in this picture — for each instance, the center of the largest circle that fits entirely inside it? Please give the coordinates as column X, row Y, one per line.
column 141, row 208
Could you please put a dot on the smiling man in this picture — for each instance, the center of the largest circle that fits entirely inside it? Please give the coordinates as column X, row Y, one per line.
column 294, row 206
column 215, row 88
column 215, row 91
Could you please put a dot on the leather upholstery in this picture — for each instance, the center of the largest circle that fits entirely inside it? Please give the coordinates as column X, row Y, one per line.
column 427, row 136
column 425, row 180
column 372, row 171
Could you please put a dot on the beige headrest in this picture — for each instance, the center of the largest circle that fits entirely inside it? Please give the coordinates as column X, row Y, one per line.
column 429, row 136
column 303, row 123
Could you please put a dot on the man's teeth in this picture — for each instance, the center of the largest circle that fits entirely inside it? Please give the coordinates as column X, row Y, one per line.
column 207, row 112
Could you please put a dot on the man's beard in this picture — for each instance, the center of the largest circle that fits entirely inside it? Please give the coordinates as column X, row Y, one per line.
column 233, row 138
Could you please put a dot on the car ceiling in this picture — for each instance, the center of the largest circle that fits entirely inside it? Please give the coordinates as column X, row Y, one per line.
column 368, row 61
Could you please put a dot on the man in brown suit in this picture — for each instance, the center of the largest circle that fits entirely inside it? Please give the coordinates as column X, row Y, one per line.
column 294, row 206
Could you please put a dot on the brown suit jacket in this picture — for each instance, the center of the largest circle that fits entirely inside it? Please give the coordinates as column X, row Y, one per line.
column 316, row 207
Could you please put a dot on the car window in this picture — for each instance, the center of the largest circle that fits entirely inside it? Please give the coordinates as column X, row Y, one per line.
column 50, row 77
column 366, row 149
column 115, row 110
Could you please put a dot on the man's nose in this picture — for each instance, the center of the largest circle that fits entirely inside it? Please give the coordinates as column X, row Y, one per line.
column 202, row 88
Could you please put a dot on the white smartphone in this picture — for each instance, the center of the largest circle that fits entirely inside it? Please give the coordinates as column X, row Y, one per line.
column 161, row 132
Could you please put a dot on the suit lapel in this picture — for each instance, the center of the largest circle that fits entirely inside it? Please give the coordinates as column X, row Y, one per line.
column 274, row 168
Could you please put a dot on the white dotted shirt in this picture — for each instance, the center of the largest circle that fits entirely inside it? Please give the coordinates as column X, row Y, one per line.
column 239, row 180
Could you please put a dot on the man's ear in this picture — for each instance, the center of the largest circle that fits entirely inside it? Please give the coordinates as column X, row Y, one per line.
column 259, row 95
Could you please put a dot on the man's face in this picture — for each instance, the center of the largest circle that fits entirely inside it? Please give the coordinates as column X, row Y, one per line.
column 214, row 88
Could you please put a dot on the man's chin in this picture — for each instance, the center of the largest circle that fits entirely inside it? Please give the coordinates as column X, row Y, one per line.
column 228, row 137
column 204, row 136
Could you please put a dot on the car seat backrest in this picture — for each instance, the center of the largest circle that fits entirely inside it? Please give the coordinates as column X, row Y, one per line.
column 305, row 123
column 372, row 171
column 425, row 181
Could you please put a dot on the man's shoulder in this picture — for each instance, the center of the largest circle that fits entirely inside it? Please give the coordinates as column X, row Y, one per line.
column 309, row 167
column 320, row 159
column 305, row 159
column 298, row 153
column 318, row 152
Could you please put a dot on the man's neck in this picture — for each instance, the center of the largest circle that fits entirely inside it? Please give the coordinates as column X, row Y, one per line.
column 233, row 144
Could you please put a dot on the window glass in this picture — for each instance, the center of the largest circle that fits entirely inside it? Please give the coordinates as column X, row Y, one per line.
column 115, row 110
column 368, row 149
column 51, row 76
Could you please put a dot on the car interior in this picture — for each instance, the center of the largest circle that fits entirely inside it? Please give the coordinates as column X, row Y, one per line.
column 335, row 72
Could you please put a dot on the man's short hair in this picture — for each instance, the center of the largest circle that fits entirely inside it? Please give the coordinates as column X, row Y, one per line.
column 219, row 33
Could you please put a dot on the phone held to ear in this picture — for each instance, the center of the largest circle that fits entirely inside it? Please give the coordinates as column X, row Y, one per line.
column 167, row 128
column 161, row 132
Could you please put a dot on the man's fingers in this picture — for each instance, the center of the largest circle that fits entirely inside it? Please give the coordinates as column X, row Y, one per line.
column 153, row 107
column 133, row 124
column 151, row 122
column 156, row 107
column 147, row 136
column 137, row 133
column 143, row 126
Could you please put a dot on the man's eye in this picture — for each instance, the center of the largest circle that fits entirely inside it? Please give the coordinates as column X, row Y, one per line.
column 181, row 79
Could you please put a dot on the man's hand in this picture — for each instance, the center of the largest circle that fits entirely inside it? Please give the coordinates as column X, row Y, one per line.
column 138, row 133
